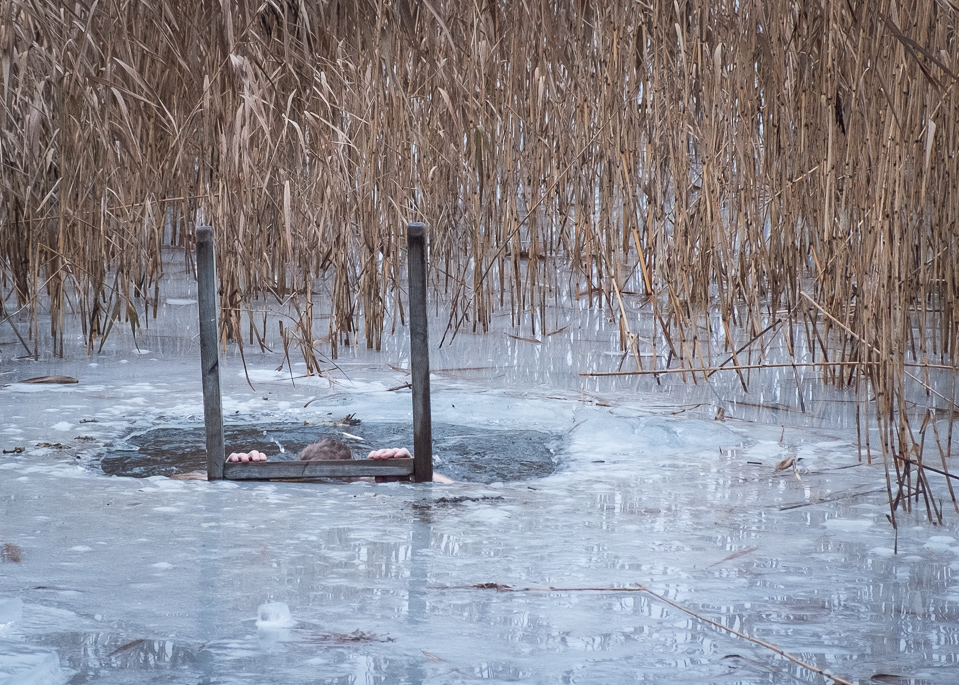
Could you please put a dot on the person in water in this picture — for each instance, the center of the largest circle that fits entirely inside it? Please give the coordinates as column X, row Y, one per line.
column 328, row 449
column 324, row 449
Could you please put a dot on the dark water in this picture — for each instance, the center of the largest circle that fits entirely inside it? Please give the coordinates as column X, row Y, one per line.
column 460, row 452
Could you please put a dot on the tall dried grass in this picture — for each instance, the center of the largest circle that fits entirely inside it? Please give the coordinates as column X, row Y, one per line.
column 780, row 161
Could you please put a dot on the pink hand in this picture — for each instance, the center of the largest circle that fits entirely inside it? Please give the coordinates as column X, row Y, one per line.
column 390, row 453
column 252, row 455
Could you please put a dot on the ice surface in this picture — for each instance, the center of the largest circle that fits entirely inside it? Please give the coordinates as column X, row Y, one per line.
column 125, row 581
column 22, row 664
column 11, row 610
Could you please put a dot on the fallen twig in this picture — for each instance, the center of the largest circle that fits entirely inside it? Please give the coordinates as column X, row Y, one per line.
column 830, row 498
column 735, row 555
column 929, row 468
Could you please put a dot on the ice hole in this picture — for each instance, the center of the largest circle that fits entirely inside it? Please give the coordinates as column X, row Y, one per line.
column 465, row 453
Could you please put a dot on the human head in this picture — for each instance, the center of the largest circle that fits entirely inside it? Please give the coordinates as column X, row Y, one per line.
column 326, row 449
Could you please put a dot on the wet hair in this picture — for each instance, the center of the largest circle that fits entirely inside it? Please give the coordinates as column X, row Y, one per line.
column 326, row 449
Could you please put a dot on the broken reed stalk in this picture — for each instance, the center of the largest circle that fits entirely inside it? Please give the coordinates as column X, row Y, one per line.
column 715, row 158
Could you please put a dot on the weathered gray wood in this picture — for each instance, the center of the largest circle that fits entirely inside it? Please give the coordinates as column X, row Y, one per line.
column 262, row 470
column 419, row 355
column 209, row 358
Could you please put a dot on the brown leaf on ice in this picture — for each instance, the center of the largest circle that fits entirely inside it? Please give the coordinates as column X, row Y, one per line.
column 10, row 552
column 435, row 658
column 499, row 587
column 51, row 380
column 129, row 645
column 785, row 463
column 344, row 638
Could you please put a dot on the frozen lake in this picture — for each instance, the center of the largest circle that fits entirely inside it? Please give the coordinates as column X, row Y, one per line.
column 122, row 580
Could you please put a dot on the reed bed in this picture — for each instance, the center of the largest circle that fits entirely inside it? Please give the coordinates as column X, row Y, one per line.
column 735, row 171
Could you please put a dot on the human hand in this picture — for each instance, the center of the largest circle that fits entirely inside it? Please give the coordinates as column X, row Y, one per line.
column 252, row 455
column 390, row 453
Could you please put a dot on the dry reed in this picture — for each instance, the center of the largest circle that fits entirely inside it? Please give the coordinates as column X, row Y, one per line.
column 761, row 161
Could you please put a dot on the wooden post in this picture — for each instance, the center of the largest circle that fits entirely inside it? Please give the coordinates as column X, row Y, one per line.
column 209, row 358
column 419, row 355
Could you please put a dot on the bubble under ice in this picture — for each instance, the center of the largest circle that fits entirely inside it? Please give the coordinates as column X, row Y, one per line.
column 274, row 615
column 127, row 581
